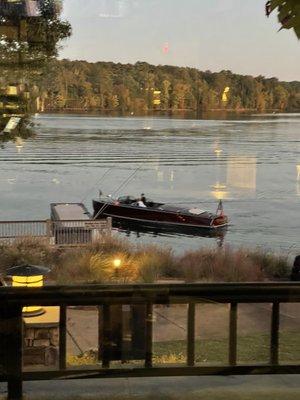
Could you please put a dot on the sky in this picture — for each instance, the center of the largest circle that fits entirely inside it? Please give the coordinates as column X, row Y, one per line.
column 210, row 35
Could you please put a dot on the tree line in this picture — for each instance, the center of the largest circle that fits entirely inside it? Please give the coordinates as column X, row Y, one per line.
column 107, row 86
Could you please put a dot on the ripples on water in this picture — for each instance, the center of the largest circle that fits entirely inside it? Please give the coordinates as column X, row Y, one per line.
column 251, row 163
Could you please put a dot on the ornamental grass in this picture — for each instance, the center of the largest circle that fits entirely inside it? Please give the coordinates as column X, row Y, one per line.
column 94, row 263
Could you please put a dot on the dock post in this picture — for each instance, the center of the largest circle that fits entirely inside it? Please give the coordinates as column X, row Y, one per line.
column 109, row 224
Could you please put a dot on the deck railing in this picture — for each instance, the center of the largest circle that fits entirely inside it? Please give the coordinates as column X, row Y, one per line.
column 108, row 297
column 61, row 233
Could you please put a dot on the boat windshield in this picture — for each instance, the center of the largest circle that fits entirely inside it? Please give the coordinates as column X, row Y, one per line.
column 127, row 199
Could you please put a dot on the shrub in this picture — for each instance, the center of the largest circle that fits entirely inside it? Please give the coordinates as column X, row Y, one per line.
column 272, row 265
column 90, row 266
column 94, row 263
column 155, row 262
column 219, row 265
column 149, row 268
column 26, row 251
column 72, row 267
column 126, row 273
column 110, row 245
column 196, row 265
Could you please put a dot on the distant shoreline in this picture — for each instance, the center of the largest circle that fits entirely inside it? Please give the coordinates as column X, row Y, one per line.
column 189, row 114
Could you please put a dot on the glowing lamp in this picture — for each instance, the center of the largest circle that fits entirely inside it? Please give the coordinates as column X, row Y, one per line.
column 117, row 263
column 31, row 276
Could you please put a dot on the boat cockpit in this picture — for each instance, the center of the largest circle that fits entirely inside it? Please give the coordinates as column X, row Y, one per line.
column 133, row 201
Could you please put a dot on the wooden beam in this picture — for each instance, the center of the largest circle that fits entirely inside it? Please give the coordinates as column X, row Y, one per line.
column 171, row 370
column 156, row 293
column 233, row 334
column 63, row 337
column 191, row 335
column 274, row 348
column 14, row 352
column 149, row 336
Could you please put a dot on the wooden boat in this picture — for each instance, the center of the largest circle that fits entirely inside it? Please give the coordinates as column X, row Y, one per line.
column 160, row 215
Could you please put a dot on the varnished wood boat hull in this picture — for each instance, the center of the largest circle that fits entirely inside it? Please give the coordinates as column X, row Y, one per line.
column 156, row 218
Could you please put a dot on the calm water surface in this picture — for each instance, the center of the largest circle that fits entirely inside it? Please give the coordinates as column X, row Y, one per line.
column 252, row 163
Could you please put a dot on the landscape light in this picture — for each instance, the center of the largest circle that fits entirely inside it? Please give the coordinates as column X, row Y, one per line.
column 31, row 276
column 117, row 263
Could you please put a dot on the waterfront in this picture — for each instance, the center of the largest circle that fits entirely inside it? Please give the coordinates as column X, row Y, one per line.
column 250, row 162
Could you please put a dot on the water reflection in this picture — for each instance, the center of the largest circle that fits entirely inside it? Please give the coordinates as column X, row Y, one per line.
column 164, row 175
column 17, row 136
column 114, row 8
column 19, row 143
column 29, row 35
column 131, row 229
column 219, row 191
column 298, row 180
column 241, row 172
column 298, row 188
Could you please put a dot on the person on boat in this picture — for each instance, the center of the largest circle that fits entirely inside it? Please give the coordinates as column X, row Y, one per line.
column 143, row 198
column 140, row 203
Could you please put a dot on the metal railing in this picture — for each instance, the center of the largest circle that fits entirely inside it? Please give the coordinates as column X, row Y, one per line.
column 108, row 297
column 61, row 233
column 15, row 229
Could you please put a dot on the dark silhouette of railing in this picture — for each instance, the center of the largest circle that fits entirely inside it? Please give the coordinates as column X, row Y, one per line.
column 108, row 297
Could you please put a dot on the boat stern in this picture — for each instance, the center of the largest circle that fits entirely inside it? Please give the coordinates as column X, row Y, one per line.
column 219, row 221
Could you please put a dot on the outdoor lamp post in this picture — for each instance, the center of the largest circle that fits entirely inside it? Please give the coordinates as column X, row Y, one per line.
column 31, row 276
column 117, row 264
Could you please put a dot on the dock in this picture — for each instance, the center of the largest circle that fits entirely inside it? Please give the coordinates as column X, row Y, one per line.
column 70, row 224
column 69, row 212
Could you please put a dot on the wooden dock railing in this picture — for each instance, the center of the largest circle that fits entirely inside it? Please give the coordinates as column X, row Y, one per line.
column 108, row 298
column 60, row 233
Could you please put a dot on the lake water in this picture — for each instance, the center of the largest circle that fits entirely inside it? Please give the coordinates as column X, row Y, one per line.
column 253, row 164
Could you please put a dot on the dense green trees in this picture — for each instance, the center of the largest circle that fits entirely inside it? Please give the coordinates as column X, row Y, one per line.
column 129, row 88
column 30, row 35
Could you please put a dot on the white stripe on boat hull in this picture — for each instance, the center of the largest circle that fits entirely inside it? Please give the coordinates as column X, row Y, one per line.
column 166, row 223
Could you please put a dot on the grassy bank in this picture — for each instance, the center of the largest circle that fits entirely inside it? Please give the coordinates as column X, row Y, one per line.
column 95, row 263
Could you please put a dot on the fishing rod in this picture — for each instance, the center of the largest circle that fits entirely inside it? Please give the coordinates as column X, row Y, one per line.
column 127, row 180
column 105, row 205
column 98, row 182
